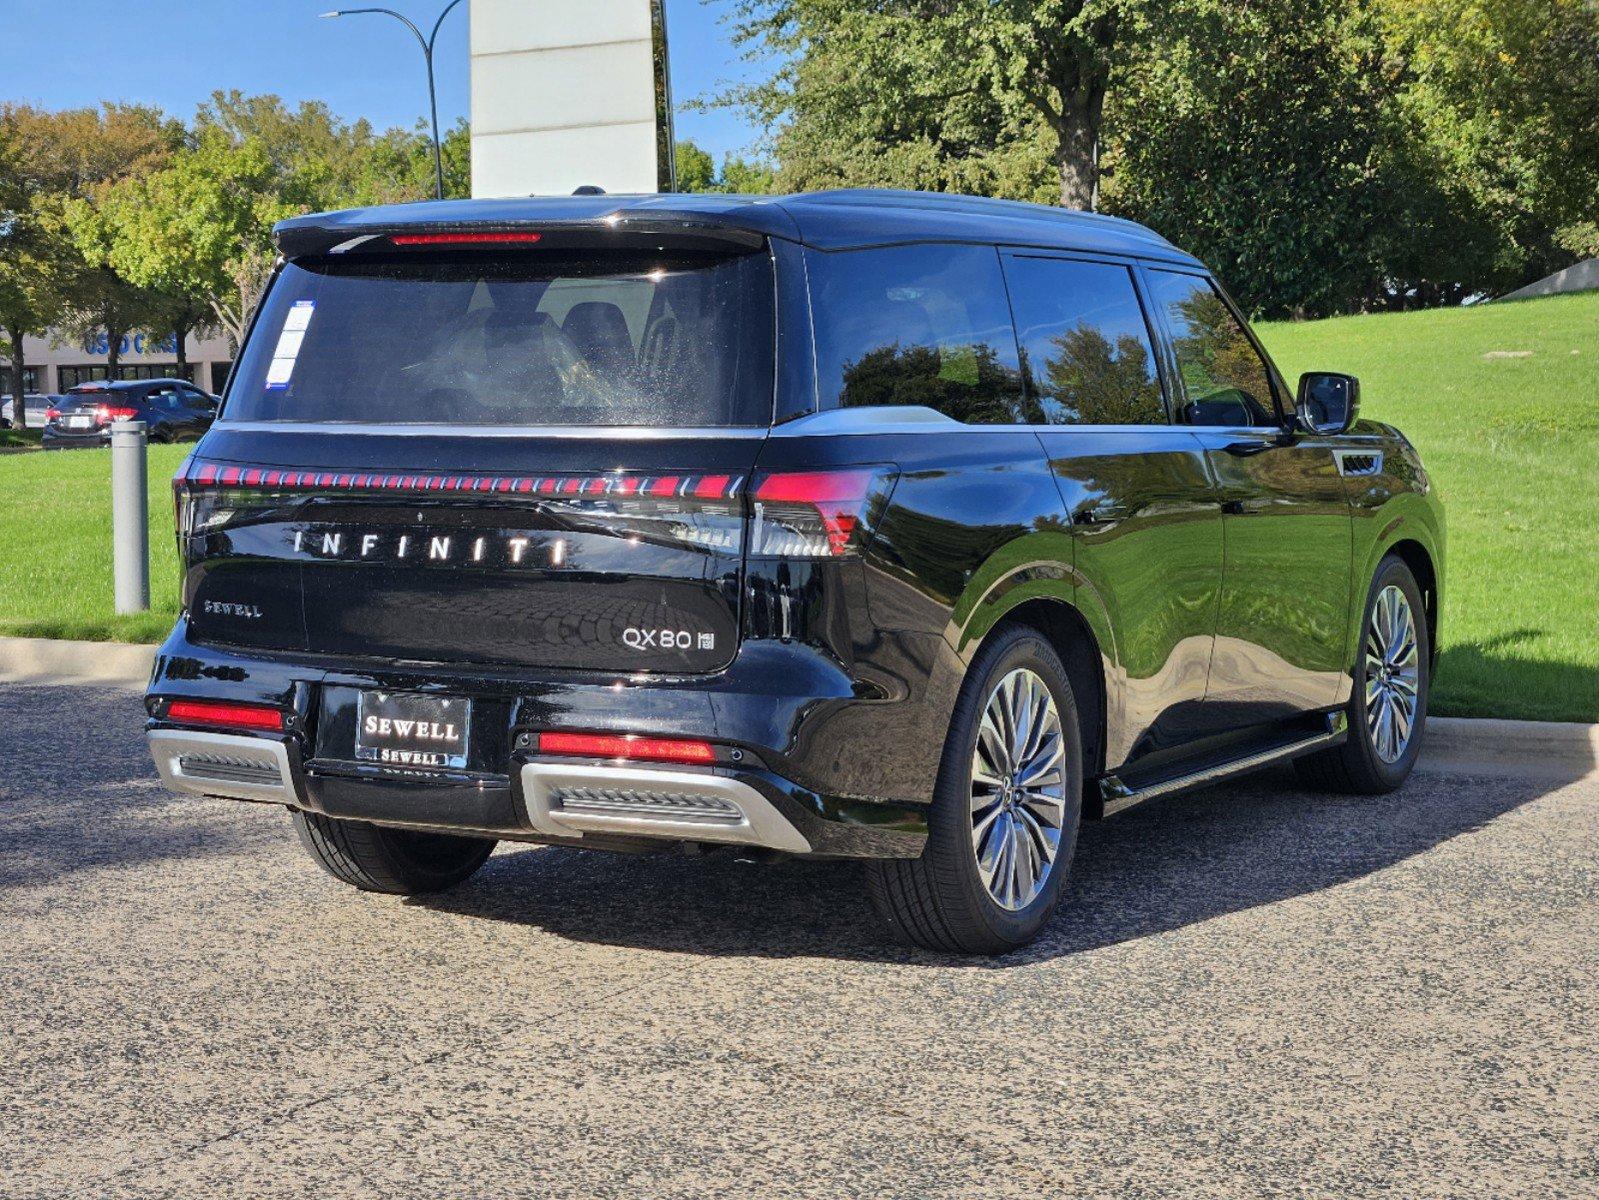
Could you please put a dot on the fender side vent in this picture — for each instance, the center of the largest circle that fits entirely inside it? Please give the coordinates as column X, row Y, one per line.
column 1359, row 462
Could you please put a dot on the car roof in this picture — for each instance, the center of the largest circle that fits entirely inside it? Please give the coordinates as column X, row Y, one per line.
column 834, row 220
column 122, row 385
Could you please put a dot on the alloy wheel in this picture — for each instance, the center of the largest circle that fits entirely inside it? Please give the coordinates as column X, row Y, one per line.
column 1018, row 789
column 1393, row 674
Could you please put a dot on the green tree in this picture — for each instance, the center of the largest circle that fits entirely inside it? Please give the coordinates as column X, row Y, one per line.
column 1505, row 96
column 320, row 162
column 1324, row 155
column 1257, row 139
column 747, row 177
column 197, row 233
column 37, row 270
column 1001, row 97
column 51, row 162
column 697, row 172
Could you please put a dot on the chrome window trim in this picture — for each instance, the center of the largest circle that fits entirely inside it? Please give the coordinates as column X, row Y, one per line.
column 857, row 422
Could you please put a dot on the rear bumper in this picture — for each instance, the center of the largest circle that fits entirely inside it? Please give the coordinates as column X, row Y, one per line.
column 800, row 752
column 231, row 765
column 53, row 439
column 555, row 801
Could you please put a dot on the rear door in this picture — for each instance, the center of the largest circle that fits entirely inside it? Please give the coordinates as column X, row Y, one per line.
column 1137, row 492
column 500, row 458
column 1282, row 633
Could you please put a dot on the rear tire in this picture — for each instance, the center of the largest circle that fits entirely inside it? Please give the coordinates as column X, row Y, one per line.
column 1371, row 762
column 400, row 862
column 963, row 895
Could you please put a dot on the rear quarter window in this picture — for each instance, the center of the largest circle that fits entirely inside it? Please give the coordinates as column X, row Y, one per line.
column 598, row 340
column 1087, row 352
column 916, row 325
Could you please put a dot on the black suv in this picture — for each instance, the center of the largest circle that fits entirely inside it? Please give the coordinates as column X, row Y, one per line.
column 172, row 410
column 900, row 527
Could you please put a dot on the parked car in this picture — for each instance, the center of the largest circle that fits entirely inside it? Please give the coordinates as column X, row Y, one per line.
column 173, row 411
column 35, row 405
column 907, row 528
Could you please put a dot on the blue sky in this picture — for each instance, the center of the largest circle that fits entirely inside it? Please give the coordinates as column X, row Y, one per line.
column 66, row 53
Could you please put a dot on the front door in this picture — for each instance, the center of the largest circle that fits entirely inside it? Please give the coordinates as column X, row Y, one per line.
column 1282, row 629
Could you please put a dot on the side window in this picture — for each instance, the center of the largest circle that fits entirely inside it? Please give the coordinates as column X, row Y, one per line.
column 916, row 325
column 196, row 400
column 1226, row 380
column 1086, row 350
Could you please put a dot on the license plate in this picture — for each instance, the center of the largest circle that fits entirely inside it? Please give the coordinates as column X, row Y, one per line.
column 402, row 729
column 80, row 422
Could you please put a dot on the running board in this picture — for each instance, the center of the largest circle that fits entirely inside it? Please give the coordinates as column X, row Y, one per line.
column 1118, row 796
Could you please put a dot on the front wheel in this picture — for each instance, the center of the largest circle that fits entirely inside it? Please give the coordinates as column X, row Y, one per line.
column 1393, row 676
column 1003, row 824
column 401, row 862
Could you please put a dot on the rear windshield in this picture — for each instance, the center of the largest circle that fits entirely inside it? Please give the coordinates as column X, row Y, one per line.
column 513, row 341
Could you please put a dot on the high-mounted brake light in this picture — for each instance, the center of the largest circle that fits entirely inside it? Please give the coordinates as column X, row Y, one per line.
column 610, row 745
column 225, row 716
column 810, row 514
column 486, row 236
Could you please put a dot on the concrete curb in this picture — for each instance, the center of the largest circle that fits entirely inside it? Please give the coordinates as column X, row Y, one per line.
column 47, row 660
column 1458, row 745
column 1491, row 746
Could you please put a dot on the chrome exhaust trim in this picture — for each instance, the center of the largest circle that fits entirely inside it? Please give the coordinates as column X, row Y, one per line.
column 562, row 799
column 221, row 764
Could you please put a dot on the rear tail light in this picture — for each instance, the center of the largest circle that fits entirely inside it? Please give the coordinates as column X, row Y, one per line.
column 814, row 514
column 106, row 413
column 480, row 237
column 51, row 413
column 611, row 745
column 180, row 496
column 703, row 510
column 216, row 715
column 791, row 514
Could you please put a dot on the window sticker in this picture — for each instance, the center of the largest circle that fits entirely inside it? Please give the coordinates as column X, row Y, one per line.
column 295, row 323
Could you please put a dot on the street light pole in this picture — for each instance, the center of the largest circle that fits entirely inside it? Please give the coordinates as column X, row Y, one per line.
column 427, row 57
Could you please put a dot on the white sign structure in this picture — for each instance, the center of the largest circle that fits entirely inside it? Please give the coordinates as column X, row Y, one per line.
column 568, row 93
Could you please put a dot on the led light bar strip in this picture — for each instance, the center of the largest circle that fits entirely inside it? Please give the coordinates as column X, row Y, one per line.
column 480, row 237
column 696, row 486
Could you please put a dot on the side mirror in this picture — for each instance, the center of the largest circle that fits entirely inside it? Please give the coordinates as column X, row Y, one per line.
column 1328, row 402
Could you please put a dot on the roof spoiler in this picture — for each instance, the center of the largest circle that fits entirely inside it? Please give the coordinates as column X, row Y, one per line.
column 326, row 234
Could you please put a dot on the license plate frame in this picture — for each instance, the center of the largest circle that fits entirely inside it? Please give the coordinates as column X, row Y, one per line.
column 413, row 730
column 79, row 423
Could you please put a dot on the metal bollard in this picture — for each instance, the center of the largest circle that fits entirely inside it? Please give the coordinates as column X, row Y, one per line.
column 130, row 516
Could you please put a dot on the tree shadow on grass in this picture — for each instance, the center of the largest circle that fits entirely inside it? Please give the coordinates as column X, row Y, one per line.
column 1495, row 678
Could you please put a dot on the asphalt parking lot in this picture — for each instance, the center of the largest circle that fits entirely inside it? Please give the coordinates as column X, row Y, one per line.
column 1253, row 992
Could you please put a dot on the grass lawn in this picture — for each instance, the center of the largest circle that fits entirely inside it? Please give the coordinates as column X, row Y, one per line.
column 55, row 547
column 1503, row 403
column 1512, row 443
